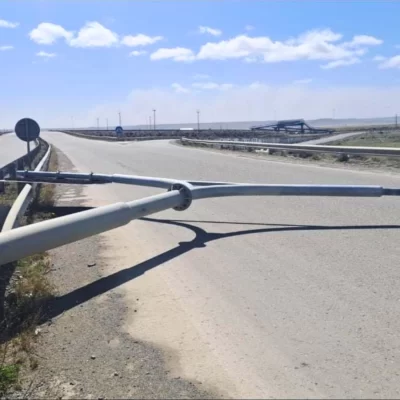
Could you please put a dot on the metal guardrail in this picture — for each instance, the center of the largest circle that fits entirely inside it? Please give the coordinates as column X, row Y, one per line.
column 371, row 151
column 24, row 198
column 42, row 236
column 20, row 162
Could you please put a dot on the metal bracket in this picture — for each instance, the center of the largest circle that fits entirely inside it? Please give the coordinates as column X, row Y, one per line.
column 187, row 193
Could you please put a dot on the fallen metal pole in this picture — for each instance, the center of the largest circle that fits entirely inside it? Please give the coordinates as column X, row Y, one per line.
column 31, row 239
column 91, row 178
column 163, row 183
column 25, row 241
column 292, row 190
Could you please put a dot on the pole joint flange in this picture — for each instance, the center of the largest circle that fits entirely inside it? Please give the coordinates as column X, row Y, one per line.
column 187, row 196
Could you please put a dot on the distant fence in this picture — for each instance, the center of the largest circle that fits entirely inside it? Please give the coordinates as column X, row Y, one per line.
column 104, row 136
column 160, row 134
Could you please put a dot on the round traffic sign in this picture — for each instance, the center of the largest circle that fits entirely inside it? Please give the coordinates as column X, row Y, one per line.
column 119, row 130
column 27, row 129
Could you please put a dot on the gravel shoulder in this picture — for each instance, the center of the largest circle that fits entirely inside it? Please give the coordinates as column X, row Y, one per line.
column 83, row 347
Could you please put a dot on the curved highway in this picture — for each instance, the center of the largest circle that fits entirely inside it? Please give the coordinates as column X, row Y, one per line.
column 259, row 297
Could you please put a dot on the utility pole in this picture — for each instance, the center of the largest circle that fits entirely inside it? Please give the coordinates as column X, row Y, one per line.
column 154, row 119
column 97, row 123
column 119, row 116
column 198, row 121
column 107, row 123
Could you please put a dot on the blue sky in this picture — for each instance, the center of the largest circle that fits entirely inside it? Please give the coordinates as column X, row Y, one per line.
column 233, row 60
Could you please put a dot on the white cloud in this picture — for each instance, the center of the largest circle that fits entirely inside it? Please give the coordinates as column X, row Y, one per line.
column 393, row 62
column 239, row 47
column 363, row 40
column 249, row 27
column 140, row 40
column 48, row 33
column 178, row 88
column 212, row 86
column 210, row 31
column 302, row 81
column 257, row 85
column 5, row 48
column 312, row 45
column 250, row 60
column 176, row 54
column 199, row 77
column 137, row 53
column 93, row 34
column 379, row 58
column 341, row 63
column 201, row 86
column 8, row 24
column 45, row 54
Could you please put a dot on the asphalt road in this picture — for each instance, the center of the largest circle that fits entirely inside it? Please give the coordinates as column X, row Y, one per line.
column 11, row 148
column 259, row 297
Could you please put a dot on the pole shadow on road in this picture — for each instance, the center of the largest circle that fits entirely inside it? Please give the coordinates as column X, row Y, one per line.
column 87, row 292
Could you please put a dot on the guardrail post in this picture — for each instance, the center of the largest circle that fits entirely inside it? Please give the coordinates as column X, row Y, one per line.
column 1, row 183
column 343, row 157
column 20, row 166
column 12, row 170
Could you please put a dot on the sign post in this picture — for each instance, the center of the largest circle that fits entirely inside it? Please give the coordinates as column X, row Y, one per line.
column 28, row 146
column 27, row 130
column 119, row 131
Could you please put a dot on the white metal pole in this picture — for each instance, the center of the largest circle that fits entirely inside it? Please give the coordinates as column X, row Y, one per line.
column 36, row 238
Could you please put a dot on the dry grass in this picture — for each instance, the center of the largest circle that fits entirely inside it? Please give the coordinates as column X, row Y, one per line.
column 46, row 196
column 360, row 128
column 28, row 293
column 372, row 139
column 8, row 377
column 9, row 195
column 30, row 287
